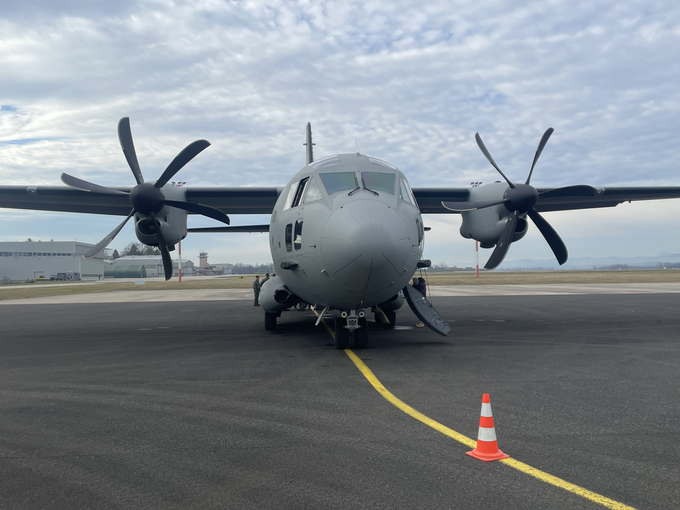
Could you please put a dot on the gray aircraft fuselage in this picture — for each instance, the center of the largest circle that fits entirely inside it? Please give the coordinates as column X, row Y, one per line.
column 346, row 232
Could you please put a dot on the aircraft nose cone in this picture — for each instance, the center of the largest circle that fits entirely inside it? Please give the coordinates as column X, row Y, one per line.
column 366, row 248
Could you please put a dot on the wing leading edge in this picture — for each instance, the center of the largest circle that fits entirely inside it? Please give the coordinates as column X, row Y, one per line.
column 551, row 199
column 246, row 200
column 65, row 199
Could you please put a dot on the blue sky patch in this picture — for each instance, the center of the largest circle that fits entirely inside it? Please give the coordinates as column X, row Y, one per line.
column 23, row 141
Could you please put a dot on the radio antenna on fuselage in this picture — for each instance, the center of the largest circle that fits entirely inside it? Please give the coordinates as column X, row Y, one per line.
column 309, row 144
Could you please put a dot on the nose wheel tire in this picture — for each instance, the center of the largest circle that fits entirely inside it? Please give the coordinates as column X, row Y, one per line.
column 341, row 334
column 361, row 335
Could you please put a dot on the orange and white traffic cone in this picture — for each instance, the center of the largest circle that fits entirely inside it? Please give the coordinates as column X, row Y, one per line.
column 487, row 445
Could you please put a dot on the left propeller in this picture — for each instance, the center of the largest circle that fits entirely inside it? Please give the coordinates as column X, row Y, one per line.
column 518, row 199
column 147, row 198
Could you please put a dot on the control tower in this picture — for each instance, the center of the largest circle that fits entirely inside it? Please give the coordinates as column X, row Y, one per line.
column 203, row 260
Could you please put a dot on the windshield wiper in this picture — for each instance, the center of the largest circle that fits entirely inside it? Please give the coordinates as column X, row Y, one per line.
column 363, row 183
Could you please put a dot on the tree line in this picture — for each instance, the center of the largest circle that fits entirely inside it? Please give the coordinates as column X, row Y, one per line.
column 136, row 249
column 252, row 268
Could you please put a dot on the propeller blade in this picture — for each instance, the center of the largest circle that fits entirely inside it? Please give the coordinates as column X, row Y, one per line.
column 126, row 143
column 188, row 153
column 471, row 206
column 554, row 240
column 163, row 248
column 167, row 261
column 95, row 250
column 205, row 210
column 486, row 153
column 77, row 183
column 541, row 146
column 503, row 244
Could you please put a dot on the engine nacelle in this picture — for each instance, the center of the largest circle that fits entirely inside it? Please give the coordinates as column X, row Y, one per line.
column 173, row 232
column 276, row 297
column 486, row 225
column 173, row 221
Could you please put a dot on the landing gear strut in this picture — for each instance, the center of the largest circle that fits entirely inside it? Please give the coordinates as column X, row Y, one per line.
column 351, row 325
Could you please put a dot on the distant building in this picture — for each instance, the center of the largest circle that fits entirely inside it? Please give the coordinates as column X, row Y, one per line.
column 203, row 260
column 143, row 266
column 224, row 268
column 187, row 267
column 205, row 269
column 134, row 266
column 28, row 260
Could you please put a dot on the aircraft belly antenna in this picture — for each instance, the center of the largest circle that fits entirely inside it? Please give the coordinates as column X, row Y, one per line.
column 309, row 145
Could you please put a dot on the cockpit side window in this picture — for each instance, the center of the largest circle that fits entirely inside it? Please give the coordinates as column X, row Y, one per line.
column 377, row 181
column 405, row 193
column 291, row 196
column 313, row 192
column 300, row 191
column 296, row 193
column 338, row 181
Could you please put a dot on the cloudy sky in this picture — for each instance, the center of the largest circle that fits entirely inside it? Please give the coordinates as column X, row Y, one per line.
column 408, row 82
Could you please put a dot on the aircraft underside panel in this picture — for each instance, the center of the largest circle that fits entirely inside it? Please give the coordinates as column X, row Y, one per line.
column 425, row 311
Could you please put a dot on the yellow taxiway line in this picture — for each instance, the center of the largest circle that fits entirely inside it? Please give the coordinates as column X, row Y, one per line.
column 471, row 443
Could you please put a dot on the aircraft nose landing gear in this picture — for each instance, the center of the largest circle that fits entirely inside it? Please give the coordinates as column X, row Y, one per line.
column 351, row 325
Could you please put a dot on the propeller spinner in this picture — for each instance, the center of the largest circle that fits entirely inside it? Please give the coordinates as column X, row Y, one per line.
column 146, row 198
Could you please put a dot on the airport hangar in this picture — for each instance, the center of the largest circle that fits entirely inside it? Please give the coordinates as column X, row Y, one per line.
column 29, row 260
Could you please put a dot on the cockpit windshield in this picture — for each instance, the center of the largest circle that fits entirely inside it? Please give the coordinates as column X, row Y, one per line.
column 377, row 181
column 338, row 181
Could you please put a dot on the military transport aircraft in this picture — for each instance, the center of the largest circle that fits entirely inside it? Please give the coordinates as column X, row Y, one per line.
column 346, row 232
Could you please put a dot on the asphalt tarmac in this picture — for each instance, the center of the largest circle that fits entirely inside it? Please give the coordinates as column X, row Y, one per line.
column 192, row 404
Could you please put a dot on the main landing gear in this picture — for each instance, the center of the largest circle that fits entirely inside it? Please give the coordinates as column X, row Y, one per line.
column 270, row 320
column 351, row 326
column 387, row 318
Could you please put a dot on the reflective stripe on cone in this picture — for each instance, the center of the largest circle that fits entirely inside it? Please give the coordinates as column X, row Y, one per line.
column 487, row 445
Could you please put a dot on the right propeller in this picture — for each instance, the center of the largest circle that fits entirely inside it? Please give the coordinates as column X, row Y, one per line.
column 518, row 199
column 147, row 198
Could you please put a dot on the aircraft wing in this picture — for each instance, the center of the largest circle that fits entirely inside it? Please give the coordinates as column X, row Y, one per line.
column 245, row 200
column 241, row 200
column 550, row 199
